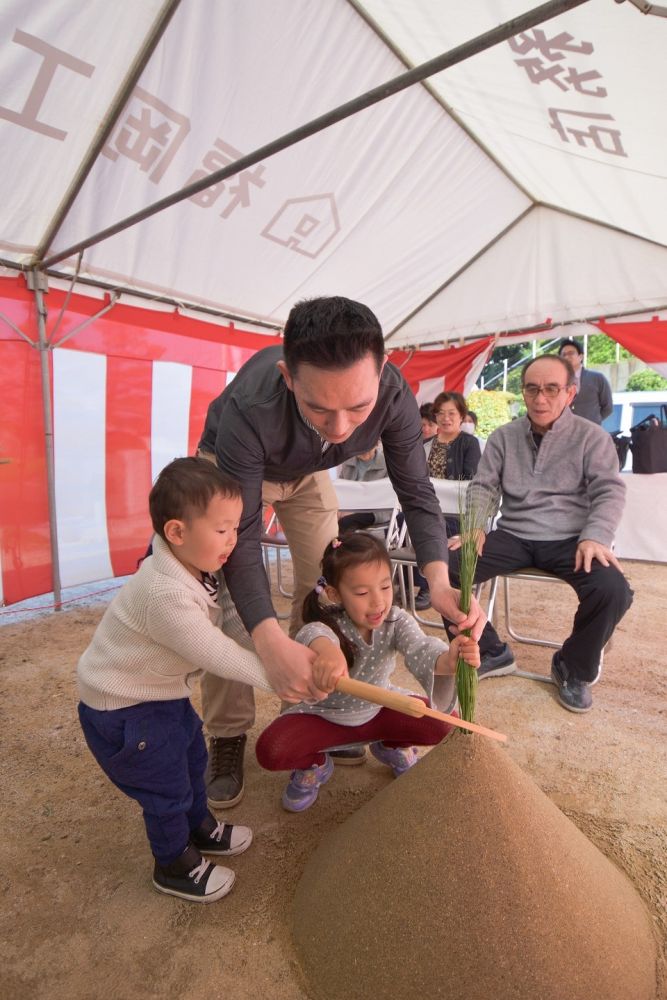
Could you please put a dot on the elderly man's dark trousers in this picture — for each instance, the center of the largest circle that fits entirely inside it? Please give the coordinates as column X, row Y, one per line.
column 604, row 594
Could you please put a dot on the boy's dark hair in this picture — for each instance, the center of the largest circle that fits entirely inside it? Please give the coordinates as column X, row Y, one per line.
column 352, row 549
column 569, row 342
column 185, row 488
column 426, row 412
column 451, row 397
column 331, row 333
column 473, row 417
column 567, row 365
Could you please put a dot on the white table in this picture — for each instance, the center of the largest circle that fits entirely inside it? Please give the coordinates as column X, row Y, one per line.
column 642, row 533
column 379, row 494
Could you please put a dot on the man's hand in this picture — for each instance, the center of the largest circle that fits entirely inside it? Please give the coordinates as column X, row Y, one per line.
column 288, row 664
column 588, row 550
column 446, row 599
column 455, row 541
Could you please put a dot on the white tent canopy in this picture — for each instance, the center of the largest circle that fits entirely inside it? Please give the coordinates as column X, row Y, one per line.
column 525, row 183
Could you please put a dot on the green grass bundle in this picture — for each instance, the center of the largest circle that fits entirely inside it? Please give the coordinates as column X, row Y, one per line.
column 473, row 520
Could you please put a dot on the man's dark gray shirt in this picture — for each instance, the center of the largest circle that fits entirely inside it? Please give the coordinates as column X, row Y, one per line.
column 256, row 433
column 594, row 400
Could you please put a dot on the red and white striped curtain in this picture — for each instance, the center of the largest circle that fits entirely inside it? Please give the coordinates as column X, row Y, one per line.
column 129, row 393
column 452, row 369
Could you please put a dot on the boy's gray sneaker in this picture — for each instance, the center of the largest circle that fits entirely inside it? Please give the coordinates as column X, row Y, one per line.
column 224, row 771
column 573, row 694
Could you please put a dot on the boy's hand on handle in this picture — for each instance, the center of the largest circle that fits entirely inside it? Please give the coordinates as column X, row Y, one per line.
column 288, row 664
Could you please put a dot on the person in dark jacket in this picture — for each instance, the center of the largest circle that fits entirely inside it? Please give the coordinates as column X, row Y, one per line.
column 451, row 454
column 593, row 399
column 290, row 414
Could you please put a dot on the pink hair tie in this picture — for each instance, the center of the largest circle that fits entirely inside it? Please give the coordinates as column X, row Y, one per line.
column 321, row 584
column 336, row 543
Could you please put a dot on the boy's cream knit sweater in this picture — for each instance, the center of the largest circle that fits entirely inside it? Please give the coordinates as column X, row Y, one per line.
column 158, row 633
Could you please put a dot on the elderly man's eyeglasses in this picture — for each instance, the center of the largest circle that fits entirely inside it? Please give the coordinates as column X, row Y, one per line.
column 550, row 390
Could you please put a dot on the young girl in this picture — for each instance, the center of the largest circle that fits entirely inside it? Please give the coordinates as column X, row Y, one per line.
column 358, row 629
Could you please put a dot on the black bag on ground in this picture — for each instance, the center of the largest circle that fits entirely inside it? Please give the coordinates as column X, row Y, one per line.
column 649, row 443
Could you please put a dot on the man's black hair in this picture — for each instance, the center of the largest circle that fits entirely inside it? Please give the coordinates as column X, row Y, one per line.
column 569, row 342
column 331, row 333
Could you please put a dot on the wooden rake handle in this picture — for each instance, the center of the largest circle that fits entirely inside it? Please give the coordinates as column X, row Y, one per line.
column 409, row 706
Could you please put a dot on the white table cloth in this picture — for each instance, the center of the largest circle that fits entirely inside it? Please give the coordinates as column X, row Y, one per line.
column 642, row 533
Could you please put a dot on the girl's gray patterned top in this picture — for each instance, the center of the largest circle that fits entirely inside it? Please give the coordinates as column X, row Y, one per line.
column 375, row 662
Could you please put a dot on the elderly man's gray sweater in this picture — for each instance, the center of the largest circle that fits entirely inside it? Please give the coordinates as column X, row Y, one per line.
column 569, row 486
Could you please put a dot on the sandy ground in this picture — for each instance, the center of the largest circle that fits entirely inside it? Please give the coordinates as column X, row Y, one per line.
column 80, row 920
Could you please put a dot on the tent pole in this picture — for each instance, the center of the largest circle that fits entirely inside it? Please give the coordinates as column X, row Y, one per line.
column 37, row 282
column 460, row 53
column 120, row 100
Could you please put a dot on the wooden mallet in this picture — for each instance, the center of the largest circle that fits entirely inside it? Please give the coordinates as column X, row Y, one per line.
column 409, row 706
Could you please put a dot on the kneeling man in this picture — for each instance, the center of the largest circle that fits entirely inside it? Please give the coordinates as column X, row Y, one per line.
column 562, row 499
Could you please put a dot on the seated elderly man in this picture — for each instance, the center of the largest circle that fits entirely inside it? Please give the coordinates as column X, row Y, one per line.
column 562, row 499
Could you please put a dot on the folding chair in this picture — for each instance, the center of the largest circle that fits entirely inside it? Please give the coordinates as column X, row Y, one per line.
column 538, row 577
column 403, row 560
column 273, row 541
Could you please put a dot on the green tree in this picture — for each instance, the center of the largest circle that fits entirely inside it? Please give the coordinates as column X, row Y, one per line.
column 493, row 369
column 645, row 380
column 492, row 408
column 602, row 350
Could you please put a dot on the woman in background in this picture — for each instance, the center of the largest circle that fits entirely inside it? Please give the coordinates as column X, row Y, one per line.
column 451, row 454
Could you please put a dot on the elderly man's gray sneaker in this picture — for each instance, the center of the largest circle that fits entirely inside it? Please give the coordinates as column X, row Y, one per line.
column 573, row 694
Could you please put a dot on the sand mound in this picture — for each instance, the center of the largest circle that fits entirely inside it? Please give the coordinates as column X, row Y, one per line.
column 462, row 879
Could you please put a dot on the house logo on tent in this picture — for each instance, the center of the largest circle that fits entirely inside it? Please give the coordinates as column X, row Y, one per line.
column 305, row 225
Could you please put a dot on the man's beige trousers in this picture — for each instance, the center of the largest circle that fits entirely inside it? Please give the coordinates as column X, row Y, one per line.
column 307, row 510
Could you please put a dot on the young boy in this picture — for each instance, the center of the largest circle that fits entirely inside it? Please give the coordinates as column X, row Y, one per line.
column 136, row 676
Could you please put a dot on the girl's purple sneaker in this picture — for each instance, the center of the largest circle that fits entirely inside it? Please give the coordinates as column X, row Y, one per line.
column 399, row 759
column 304, row 786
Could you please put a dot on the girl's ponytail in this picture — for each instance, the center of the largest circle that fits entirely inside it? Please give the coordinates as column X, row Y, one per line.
column 329, row 615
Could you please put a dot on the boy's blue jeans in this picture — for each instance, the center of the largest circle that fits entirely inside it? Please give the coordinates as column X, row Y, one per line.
column 155, row 753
